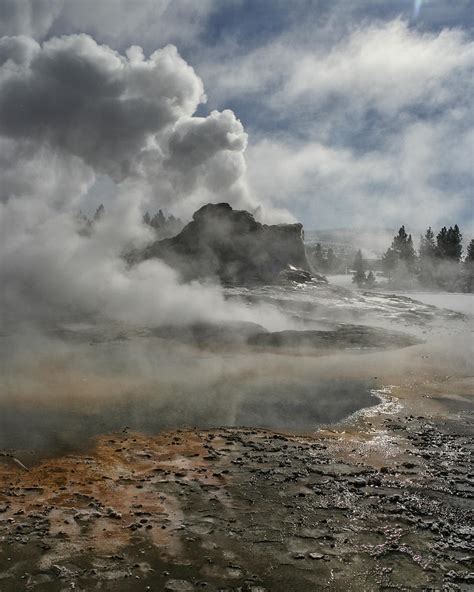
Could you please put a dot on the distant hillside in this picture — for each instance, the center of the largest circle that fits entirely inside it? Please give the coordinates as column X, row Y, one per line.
column 373, row 242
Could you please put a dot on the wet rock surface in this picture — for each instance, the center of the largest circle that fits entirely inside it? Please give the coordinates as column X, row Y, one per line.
column 388, row 507
column 241, row 335
column 343, row 337
column 211, row 335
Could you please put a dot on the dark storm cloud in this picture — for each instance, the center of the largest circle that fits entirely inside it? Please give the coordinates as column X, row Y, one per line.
column 90, row 101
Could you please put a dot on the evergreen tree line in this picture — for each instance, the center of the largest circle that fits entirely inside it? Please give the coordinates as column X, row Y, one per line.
column 438, row 263
column 86, row 224
column 160, row 222
column 359, row 276
column 164, row 226
column 326, row 260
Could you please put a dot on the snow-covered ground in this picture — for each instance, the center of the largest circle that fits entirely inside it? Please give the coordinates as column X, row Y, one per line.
column 343, row 280
column 458, row 302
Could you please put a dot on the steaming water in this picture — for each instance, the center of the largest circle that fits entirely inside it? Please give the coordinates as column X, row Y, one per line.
column 85, row 379
column 60, row 393
column 296, row 406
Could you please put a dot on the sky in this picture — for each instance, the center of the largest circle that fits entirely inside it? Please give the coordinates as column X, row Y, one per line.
column 335, row 113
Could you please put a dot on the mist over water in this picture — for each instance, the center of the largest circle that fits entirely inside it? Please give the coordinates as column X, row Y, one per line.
column 56, row 398
column 79, row 380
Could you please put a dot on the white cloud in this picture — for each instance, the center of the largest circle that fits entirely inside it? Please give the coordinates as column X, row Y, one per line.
column 338, row 187
column 117, row 22
column 28, row 17
column 387, row 68
column 146, row 21
column 377, row 126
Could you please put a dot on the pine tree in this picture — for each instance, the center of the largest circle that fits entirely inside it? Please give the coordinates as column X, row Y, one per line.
column 467, row 278
column 449, row 243
column 331, row 261
column 84, row 225
column 408, row 255
column 389, row 262
column 442, row 242
column 99, row 213
column 318, row 252
column 146, row 218
column 400, row 257
column 402, row 244
column 427, row 259
column 470, row 252
column 318, row 257
column 359, row 277
column 400, row 240
column 158, row 220
column 370, row 281
column 428, row 249
column 455, row 244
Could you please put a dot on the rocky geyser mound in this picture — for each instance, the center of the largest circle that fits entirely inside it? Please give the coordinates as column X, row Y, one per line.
column 232, row 246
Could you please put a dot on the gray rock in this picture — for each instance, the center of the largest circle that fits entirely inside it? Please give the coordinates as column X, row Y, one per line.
column 232, row 246
column 343, row 337
column 178, row 586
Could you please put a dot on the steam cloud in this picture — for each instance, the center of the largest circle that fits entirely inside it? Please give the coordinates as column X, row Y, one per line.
column 71, row 110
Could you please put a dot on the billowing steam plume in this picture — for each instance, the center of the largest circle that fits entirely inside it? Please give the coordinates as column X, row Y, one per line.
column 72, row 110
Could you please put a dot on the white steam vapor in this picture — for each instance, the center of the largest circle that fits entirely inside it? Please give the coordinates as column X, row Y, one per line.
column 71, row 109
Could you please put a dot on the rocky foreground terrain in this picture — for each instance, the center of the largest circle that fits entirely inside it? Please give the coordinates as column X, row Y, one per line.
column 380, row 502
